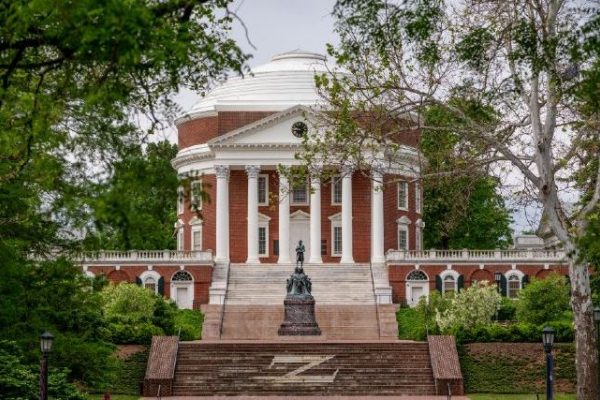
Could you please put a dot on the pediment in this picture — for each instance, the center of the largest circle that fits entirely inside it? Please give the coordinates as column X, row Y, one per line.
column 299, row 216
column 272, row 130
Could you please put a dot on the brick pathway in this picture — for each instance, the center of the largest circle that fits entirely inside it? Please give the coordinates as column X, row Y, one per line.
column 308, row 398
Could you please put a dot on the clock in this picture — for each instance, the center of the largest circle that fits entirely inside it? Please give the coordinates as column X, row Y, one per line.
column 299, row 129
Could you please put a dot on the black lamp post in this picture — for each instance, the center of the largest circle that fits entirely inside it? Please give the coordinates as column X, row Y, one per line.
column 548, row 340
column 597, row 319
column 46, row 340
column 498, row 277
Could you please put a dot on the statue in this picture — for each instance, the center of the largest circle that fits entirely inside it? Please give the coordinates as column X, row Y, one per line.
column 299, row 304
column 300, row 254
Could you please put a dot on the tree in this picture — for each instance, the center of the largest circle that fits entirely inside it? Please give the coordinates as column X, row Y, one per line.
column 74, row 78
column 544, row 300
column 522, row 61
column 137, row 206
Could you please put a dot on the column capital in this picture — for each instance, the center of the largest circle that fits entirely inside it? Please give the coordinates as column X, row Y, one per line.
column 222, row 171
column 252, row 170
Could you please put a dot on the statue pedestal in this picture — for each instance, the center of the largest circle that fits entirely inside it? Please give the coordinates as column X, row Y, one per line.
column 299, row 319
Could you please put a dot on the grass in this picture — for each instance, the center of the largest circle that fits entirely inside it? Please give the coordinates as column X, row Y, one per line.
column 494, row 396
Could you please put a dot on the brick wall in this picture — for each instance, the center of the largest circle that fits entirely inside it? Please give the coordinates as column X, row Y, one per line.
column 391, row 213
column 470, row 272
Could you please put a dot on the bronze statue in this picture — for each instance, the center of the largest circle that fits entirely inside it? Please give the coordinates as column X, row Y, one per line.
column 299, row 284
column 300, row 254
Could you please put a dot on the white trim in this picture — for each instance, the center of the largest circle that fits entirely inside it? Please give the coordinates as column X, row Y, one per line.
column 412, row 284
column 150, row 274
column 509, row 274
column 517, row 272
column 179, row 284
column 335, row 178
column 196, row 228
column 89, row 274
column 180, row 239
column 300, row 215
column 266, row 202
column 398, row 195
column 403, row 228
column 446, row 273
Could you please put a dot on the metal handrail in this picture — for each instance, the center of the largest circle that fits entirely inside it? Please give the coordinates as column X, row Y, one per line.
column 222, row 316
column 449, row 397
column 158, row 396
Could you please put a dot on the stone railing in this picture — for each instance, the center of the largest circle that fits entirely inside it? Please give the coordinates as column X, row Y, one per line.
column 146, row 256
column 521, row 255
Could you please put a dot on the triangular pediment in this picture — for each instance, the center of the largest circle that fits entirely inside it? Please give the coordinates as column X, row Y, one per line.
column 299, row 215
column 272, row 130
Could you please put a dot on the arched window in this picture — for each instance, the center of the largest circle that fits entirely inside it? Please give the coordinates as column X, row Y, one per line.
column 449, row 284
column 181, row 276
column 514, row 286
column 416, row 275
column 151, row 284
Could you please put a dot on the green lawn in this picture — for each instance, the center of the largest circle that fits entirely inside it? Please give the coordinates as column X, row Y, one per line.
column 113, row 397
column 542, row 396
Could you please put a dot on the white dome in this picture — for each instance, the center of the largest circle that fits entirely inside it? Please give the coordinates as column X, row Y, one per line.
column 287, row 80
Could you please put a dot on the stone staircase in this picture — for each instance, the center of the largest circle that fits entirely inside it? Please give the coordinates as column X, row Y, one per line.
column 345, row 303
column 309, row 368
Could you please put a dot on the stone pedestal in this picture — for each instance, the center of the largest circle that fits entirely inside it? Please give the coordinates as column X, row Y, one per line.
column 299, row 318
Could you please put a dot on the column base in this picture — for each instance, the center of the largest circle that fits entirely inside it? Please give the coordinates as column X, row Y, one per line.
column 349, row 260
column 253, row 261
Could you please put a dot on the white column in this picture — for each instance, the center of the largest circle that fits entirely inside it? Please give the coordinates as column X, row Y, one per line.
column 284, row 220
column 347, row 216
column 222, row 251
column 315, row 218
column 377, row 246
column 252, row 171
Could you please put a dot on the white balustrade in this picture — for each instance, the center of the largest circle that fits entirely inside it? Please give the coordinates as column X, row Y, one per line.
column 147, row 256
column 475, row 255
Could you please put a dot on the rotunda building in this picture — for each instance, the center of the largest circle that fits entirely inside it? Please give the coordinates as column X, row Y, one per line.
column 233, row 141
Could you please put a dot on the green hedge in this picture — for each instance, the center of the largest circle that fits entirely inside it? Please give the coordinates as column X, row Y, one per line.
column 514, row 333
column 515, row 367
column 130, row 374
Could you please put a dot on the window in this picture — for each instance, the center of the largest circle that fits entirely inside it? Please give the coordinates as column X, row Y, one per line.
column 418, row 238
column 197, row 238
column 417, row 275
column 180, row 200
column 449, row 284
column 336, row 190
column 337, row 240
column 300, row 195
column 402, row 237
column 403, row 195
column 514, row 286
column 418, row 197
column 181, row 276
column 263, row 190
column 180, row 239
column 150, row 284
column 196, row 195
column 262, row 241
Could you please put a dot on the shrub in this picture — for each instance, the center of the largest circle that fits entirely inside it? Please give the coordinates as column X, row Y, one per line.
column 469, row 308
column 544, row 300
column 190, row 323
column 508, row 309
column 138, row 333
column 513, row 333
column 128, row 302
column 411, row 324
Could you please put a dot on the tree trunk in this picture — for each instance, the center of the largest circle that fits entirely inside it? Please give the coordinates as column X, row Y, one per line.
column 586, row 353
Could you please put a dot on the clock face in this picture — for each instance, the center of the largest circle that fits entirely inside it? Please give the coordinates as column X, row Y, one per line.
column 299, row 129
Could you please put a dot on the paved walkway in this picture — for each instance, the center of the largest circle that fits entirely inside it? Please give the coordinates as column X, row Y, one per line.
column 308, row 398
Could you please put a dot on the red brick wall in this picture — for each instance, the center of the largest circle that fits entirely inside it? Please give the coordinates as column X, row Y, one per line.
column 231, row 120
column 398, row 273
column 202, row 275
column 197, row 131
column 238, row 211
column 391, row 213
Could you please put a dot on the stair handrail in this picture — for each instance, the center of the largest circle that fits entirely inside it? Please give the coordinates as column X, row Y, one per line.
column 222, row 316
column 449, row 397
column 376, row 301
column 158, row 397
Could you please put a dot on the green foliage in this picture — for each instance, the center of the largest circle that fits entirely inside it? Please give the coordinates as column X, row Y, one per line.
column 190, row 323
column 135, row 208
column 411, row 324
column 19, row 380
column 129, row 374
column 135, row 314
column 490, row 370
column 469, row 308
column 544, row 300
column 513, row 333
column 508, row 309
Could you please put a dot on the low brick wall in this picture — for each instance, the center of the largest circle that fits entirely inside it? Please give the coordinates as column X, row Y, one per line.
column 160, row 371
column 445, row 365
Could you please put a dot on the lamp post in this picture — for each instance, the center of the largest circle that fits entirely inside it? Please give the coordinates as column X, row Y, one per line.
column 548, row 340
column 597, row 319
column 46, row 339
column 498, row 277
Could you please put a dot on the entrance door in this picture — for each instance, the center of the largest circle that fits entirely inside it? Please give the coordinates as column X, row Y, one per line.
column 182, row 297
column 416, row 293
column 299, row 230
